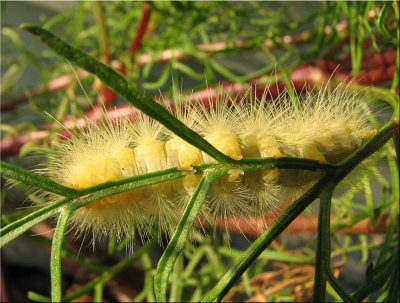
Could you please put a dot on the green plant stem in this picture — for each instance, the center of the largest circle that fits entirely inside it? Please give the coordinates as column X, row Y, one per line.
column 323, row 254
column 25, row 176
column 37, row 297
column 179, row 238
column 396, row 141
column 17, row 228
column 270, row 255
column 393, row 285
column 381, row 20
column 98, row 293
column 346, row 297
column 119, row 84
column 55, row 259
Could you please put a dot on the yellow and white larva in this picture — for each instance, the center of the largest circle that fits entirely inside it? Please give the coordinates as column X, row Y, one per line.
column 325, row 126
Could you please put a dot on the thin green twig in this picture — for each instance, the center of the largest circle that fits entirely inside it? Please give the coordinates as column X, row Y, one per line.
column 28, row 177
column 55, row 260
column 179, row 238
column 323, row 253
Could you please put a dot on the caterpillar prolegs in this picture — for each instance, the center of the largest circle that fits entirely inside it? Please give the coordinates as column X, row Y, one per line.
column 323, row 126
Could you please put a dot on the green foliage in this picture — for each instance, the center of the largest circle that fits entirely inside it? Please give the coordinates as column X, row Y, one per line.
column 180, row 26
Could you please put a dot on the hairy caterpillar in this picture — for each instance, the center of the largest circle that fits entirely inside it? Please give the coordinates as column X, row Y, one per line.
column 324, row 126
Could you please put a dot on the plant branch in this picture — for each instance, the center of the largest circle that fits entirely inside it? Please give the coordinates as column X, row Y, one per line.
column 337, row 287
column 17, row 228
column 56, row 248
column 323, row 253
column 30, row 178
column 180, row 237
column 103, row 34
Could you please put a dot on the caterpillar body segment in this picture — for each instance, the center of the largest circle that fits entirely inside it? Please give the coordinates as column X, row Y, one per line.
column 325, row 127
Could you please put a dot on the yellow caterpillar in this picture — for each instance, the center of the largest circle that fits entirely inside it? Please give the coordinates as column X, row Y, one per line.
column 324, row 126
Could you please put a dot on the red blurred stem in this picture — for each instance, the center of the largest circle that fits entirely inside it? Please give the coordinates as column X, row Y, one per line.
column 142, row 28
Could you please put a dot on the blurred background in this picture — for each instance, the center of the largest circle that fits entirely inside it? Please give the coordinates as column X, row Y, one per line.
column 196, row 48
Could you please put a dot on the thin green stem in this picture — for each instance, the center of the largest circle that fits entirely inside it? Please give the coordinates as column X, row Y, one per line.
column 346, row 297
column 380, row 275
column 56, row 248
column 17, row 228
column 381, row 20
column 323, row 254
column 179, row 238
column 98, row 293
column 270, row 255
column 396, row 141
column 30, row 178
column 37, row 297
column 393, row 285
